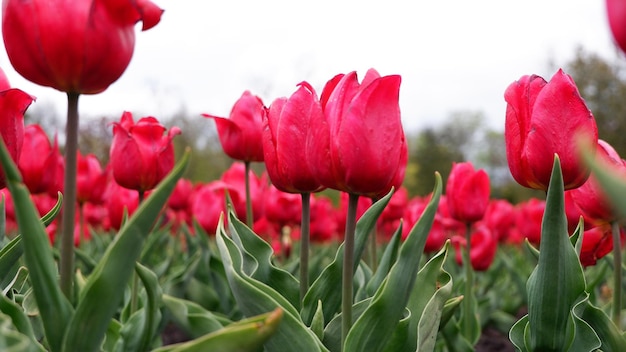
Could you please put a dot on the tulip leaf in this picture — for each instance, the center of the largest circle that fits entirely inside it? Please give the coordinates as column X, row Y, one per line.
column 612, row 183
column 430, row 317
column 246, row 335
column 19, row 320
column 386, row 262
column 56, row 311
column 105, row 287
column 610, row 336
column 558, row 280
column 12, row 340
column 255, row 298
column 375, row 327
column 324, row 288
column 10, row 254
column 192, row 317
column 258, row 250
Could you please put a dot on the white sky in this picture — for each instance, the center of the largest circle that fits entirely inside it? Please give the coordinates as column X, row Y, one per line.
column 453, row 55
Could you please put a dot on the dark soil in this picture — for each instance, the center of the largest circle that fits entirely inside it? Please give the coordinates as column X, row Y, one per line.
column 494, row 340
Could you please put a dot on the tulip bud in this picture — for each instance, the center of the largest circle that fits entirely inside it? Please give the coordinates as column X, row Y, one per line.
column 543, row 119
column 467, row 192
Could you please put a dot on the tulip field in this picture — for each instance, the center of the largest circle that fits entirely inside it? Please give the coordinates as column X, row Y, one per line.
column 322, row 250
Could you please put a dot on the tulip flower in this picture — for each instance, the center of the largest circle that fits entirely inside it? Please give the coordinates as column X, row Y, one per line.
column 91, row 180
column 616, row 13
column 77, row 46
column 467, row 192
column 590, row 197
column 543, row 119
column 529, row 218
column 241, row 137
column 483, row 248
column 240, row 134
column 286, row 130
column 358, row 147
column 38, row 161
column 141, row 154
column 597, row 242
column 120, row 201
column 500, row 218
column 13, row 105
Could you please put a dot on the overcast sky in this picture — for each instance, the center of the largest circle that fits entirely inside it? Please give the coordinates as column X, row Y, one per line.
column 453, row 55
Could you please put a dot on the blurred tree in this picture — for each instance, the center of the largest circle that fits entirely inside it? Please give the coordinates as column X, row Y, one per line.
column 602, row 83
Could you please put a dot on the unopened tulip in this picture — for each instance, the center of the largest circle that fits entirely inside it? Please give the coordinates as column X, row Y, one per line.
column 240, row 134
column 358, row 147
column 467, row 192
column 597, row 242
column 141, row 154
column 483, row 247
column 38, row 161
column 544, row 119
column 91, row 179
column 590, row 198
column 13, row 105
column 286, row 129
column 79, row 46
column 616, row 13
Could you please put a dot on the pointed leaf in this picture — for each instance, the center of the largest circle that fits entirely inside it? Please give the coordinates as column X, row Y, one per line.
column 192, row 317
column 375, row 327
column 386, row 262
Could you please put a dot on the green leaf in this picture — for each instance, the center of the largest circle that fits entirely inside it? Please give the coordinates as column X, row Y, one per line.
column 558, row 280
column 317, row 325
column 255, row 297
column 103, row 293
column 55, row 309
column 325, row 287
column 517, row 334
column 19, row 320
column 10, row 254
column 610, row 336
column 430, row 317
column 374, row 328
column 12, row 340
column 247, row 335
column 258, row 251
column 192, row 317
column 386, row 262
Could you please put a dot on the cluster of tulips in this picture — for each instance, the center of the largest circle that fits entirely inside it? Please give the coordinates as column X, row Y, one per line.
column 350, row 140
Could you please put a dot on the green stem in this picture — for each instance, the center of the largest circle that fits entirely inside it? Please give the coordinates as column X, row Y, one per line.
column 249, row 215
column 135, row 285
column 348, row 263
column 305, row 229
column 373, row 257
column 69, row 188
column 617, row 274
column 468, row 321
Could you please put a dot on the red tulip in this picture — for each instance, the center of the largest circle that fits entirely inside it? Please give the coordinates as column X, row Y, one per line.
column 358, row 147
column 235, row 178
column 208, row 203
column 529, row 218
column 179, row 199
column 467, row 192
column 79, row 46
column 286, row 131
column 120, row 200
column 483, row 247
column 91, row 180
column 597, row 242
column 38, row 161
column 616, row 13
column 13, row 105
column 324, row 227
column 141, row 154
column 500, row 218
column 543, row 119
column 283, row 208
column 240, row 134
column 590, row 198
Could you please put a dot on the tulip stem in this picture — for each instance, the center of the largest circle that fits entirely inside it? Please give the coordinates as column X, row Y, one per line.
column 249, row 215
column 305, row 233
column 617, row 274
column 69, row 188
column 348, row 271
column 135, row 284
column 468, row 321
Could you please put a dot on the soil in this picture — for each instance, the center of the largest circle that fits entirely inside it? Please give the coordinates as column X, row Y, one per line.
column 494, row 340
